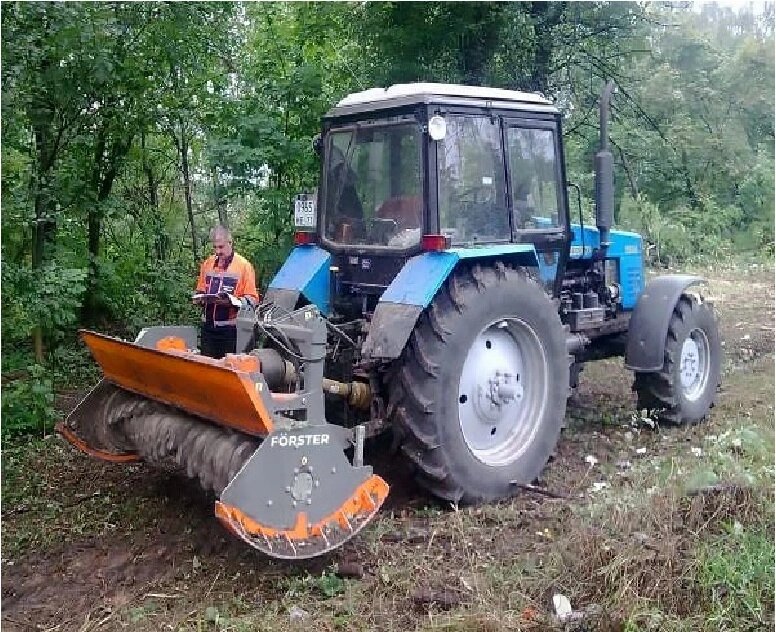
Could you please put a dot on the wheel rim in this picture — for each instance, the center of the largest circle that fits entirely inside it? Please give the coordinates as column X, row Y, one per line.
column 694, row 364
column 502, row 391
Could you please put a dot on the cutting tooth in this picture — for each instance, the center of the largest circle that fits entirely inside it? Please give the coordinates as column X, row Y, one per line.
column 291, row 544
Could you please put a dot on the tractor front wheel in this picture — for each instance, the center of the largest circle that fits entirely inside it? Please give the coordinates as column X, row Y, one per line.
column 684, row 390
column 480, row 392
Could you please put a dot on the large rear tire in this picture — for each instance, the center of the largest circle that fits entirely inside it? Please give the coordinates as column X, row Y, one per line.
column 685, row 388
column 480, row 393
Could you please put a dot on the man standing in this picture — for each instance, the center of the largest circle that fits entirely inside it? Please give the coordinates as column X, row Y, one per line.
column 223, row 273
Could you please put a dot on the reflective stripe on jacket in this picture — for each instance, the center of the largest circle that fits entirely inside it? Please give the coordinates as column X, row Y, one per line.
column 233, row 276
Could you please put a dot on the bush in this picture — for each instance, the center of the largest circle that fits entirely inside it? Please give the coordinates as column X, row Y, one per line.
column 265, row 238
column 685, row 235
column 28, row 403
column 138, row 293
column 50, row 297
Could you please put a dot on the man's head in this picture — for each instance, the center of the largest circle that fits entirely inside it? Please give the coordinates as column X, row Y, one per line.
column 222, row 241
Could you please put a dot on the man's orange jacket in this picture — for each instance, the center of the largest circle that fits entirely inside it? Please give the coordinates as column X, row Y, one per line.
column 234, row 276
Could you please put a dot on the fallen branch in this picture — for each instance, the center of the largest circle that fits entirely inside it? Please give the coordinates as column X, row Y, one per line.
column 718, row 488
column 541, row 490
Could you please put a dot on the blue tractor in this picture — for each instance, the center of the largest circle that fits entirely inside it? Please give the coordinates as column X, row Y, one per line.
column 439, row 289
column 442, row 236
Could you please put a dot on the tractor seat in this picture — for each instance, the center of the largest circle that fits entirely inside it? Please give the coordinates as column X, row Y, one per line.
column 404, row 209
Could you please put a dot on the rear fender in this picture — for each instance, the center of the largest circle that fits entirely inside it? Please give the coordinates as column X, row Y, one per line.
column 304, row 273
column 648, row 326
column 418, row 282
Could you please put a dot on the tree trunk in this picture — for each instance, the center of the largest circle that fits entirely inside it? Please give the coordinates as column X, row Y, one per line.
column 40, row 235
column 477, row 44
column 184, row 151
column 692, row 195
column 44, row 224
column 634, row 188
column 103, row 175
column 219, row 199
column 153, row 202
column 545, row 17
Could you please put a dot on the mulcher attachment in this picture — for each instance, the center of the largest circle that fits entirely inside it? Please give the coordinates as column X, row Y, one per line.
column 285, row 484
column 298, row 496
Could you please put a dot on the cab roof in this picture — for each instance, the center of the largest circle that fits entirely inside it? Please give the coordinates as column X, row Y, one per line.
column 439, row 93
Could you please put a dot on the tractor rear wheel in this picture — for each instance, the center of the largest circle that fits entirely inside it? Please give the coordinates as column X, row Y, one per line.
column 683, row 391
column 481, row 388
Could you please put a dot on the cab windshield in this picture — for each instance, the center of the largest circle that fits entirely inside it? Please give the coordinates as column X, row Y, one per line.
column 373, row 192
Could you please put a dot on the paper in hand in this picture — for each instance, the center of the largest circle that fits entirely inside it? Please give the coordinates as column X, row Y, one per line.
column 222, row 298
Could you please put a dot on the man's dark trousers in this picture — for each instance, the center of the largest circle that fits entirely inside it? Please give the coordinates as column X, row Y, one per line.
column 216, row 342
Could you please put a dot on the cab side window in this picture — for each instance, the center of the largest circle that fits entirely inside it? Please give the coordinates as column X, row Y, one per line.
column 472, row 181
column 533, row 175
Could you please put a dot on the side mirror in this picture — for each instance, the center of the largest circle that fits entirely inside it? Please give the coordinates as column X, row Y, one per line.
column 318, row 145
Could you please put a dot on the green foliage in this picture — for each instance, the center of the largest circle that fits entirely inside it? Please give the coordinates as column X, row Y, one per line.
column 71, row 366
column 50, row 296
column 328, row 583
column 136, row 293
column 267, row 233
column 28, row 402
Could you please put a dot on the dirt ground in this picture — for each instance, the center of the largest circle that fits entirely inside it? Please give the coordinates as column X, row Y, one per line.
column 94, row 546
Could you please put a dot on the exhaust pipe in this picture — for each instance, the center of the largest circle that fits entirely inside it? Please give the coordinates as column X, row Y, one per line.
column 604, row 173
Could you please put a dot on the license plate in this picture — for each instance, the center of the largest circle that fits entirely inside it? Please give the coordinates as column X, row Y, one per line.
column 304, row 211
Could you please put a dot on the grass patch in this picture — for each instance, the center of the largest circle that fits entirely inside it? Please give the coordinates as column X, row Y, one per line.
column 47, row 502
column 736, row 576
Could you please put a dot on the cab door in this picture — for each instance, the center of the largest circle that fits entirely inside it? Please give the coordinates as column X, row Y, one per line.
column 472, row 180
column 536, row 198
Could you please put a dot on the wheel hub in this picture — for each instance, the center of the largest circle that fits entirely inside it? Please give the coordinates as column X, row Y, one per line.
column 689, row 363
column 500, row 400
column 694, row 364
column 494, row 394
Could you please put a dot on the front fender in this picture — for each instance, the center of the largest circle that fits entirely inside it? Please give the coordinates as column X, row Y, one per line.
column 416, row 285
column 649, row 323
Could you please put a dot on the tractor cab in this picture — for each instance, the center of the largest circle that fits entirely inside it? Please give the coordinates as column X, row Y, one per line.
column 421, row 167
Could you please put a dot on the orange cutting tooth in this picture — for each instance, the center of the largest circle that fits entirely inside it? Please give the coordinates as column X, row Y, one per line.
column 304, row 539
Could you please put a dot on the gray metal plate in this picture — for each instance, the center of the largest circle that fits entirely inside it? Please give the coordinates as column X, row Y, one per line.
column 294, row 471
